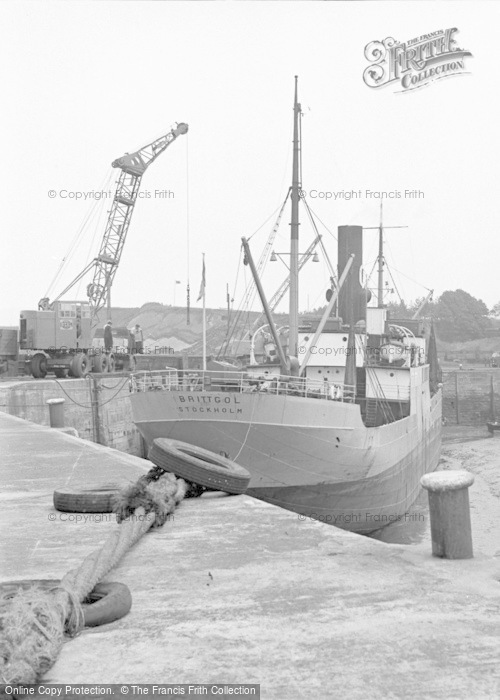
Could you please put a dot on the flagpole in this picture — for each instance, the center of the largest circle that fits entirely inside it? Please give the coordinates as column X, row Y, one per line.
column 204, row 320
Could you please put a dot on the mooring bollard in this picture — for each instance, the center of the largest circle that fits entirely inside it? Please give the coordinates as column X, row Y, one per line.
column 449, row 512
column 56, row 412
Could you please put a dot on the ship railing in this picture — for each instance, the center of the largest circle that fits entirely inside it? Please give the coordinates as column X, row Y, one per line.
column 241, row 382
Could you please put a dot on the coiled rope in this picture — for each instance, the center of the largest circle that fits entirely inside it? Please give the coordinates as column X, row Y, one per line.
column 33, row 623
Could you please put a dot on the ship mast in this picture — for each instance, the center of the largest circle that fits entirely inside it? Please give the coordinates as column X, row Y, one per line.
column 381, row 259
column 380, row 293
column 293, row 336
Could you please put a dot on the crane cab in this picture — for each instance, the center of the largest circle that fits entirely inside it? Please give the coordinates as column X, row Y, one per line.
column 65, row 325
column 58, row 338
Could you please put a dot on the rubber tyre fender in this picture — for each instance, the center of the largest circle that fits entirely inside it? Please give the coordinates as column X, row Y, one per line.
column 106, row 603
column 199, row 465
column 90, row 500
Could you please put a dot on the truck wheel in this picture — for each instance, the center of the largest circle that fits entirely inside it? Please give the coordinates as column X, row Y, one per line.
column 39, row 366
column 111, row 362
column 80, row 365
column 101, row 363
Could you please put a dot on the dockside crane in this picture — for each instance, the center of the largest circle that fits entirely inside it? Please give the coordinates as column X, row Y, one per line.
column 132, row 166
column 59, row 335
column 423, row 304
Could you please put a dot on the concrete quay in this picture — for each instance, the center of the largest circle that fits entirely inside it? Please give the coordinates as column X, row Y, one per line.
column 233, row 590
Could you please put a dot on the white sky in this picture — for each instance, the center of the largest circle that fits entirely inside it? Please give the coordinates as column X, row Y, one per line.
column 83, row 83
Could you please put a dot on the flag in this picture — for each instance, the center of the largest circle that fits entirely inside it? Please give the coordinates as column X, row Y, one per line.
column 201, row 295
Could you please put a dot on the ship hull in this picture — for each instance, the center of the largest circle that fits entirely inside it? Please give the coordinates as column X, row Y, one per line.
column 315, row 458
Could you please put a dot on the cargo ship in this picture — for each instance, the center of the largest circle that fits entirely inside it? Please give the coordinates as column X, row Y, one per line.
column 340, row 423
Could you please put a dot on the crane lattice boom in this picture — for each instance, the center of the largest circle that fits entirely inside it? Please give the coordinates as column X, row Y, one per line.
column 133, row 166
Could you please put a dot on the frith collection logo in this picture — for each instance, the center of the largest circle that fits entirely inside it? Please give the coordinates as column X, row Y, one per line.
column 415, row 63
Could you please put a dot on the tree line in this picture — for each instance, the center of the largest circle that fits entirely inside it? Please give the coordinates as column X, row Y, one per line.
column 457, row 315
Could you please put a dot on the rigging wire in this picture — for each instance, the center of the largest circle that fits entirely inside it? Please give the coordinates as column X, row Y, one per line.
column 321, row 222
column 82, row 228
column 368, row 279
column 410, row 278
column 393, row 282
column 249, row 294
column 320, row 240
column 97, row 228
column 225, row 343
column 265, row 222
column 251, row 291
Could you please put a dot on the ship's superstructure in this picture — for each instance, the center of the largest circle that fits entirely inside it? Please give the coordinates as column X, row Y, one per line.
column 339, row 421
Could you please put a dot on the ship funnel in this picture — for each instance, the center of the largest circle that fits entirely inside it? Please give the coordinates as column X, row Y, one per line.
column 352, row 297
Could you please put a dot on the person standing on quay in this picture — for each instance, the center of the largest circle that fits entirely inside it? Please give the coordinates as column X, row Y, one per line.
column 139, row 338
column 131, row 342
column 108, row 337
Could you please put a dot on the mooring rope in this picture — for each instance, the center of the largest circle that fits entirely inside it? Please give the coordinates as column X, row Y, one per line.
column 33, row 622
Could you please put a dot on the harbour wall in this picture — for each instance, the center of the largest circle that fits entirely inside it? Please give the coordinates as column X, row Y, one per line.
column 466, row 396
column 98, row 407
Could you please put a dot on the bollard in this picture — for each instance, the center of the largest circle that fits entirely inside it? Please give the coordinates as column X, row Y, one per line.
column 56, row 413
column 449, row 512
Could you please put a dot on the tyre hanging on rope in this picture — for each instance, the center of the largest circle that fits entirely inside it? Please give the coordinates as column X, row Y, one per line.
column 90, row 500
column 107, row 603
column 199, row 466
